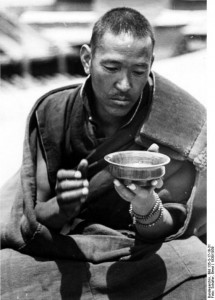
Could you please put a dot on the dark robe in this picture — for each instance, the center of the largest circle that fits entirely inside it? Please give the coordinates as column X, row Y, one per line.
column 104, row 235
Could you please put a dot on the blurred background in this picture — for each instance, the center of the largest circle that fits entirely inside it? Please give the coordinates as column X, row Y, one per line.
column 39, row 50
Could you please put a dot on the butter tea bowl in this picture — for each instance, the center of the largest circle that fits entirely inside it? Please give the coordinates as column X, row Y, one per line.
column 137, row 166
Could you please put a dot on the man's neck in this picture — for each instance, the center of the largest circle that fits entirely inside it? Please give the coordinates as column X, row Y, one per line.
column 108, row 126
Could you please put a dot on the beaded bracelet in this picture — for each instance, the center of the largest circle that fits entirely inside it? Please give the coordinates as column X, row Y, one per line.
column 154, row 222
column 151, row 213
column 158, row 206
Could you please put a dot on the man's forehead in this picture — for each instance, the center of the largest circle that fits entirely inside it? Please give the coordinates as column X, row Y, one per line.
column 114, row 46
column 124, row 40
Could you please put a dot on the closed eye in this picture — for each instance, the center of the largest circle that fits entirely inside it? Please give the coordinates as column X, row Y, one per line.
column 139, row 73
column 111, row 69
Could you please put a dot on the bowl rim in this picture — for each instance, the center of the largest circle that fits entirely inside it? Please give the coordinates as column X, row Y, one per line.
column 158, row 154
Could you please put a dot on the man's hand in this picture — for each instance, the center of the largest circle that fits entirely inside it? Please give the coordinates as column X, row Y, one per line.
column 72, row 189
column 71, row 192
column 141, row 197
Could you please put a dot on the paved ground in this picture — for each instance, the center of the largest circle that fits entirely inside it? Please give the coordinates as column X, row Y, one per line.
column 188, row 71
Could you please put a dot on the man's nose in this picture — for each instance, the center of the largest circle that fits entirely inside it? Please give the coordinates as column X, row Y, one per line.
column 123, row 84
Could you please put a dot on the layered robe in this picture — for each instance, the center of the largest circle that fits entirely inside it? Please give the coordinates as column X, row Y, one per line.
column 102, row 256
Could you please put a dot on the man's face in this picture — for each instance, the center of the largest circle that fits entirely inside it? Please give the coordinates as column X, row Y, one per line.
column 119, row 71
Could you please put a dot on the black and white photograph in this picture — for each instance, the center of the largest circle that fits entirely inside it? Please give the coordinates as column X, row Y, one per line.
column 104, row 188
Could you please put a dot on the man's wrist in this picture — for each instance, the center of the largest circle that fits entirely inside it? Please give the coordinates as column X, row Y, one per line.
column 51, row 214
column 151, row 217
column 144, row 207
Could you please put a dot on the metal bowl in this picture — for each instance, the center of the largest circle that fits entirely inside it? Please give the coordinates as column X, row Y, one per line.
column 139, row 166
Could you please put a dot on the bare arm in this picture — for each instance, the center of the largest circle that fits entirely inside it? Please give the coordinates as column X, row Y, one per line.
column 143, row 201
column 71, row 192
column 177, row 188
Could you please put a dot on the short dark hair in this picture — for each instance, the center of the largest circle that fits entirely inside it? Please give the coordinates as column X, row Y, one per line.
column 118, row 20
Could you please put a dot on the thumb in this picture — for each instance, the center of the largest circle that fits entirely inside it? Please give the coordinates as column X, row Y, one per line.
column 153, row 148
column 82, row 167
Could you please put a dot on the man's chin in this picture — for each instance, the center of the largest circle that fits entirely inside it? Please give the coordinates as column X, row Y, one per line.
column 119, row 112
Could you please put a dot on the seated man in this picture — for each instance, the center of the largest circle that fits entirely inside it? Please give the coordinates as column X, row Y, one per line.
column 90, row 234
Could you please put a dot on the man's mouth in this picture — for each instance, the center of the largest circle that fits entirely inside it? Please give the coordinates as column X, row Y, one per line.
column 120, row 102
column 120, row 98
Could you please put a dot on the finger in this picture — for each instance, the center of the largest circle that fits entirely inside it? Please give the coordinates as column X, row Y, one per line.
column 154, row 184
column 72, row 196
column 159, row 184
column 133, row 187
column 124, row 192
column 153, row 148
column 68, row 174
column 71, row 184
column 140, row 190
column 82, row 167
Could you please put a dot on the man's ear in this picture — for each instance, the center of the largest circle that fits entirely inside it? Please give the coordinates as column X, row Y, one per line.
column 152, row 60
column 85, row 56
